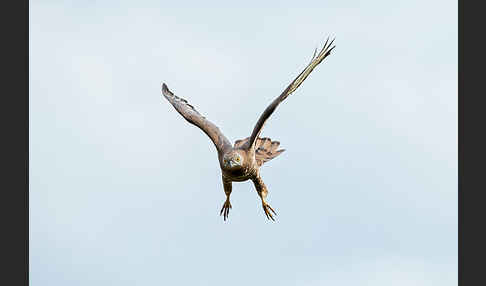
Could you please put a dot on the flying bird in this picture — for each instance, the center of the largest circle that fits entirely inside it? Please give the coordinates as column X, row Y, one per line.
column 243, row 160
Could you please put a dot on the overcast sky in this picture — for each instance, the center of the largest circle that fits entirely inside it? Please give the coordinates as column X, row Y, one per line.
column 124, row 191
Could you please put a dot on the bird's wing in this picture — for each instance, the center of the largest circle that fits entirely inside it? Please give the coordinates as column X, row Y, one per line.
column 325, row 51
column 194, row 117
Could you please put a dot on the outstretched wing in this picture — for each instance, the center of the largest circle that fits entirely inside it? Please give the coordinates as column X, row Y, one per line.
column 194, row 117
column 325, row 51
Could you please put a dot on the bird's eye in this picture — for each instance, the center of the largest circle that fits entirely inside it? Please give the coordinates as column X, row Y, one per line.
column 237, row 159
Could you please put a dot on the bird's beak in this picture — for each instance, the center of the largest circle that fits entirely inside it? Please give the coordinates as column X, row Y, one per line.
column 229, row 163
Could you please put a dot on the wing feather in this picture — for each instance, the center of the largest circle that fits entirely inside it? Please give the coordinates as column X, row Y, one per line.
column 316, row 59
column 194, row 117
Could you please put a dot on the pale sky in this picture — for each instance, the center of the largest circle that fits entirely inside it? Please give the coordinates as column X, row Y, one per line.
column 124, row 191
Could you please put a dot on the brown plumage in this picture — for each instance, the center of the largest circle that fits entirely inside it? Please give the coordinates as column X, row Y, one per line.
column 265, row 149
column 242, row 161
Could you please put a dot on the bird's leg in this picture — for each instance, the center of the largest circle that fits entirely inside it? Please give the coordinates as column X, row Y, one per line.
column 227, row 185
column 262, row 192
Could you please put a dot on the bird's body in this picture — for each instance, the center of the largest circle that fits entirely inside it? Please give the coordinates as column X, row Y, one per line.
column 237, row 172
column 242, row 161
column 251, row 159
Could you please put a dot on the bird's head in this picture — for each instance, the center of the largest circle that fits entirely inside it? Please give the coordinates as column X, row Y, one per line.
column 232, row 160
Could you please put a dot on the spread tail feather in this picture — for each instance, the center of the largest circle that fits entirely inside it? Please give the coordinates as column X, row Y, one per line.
column 265, row 149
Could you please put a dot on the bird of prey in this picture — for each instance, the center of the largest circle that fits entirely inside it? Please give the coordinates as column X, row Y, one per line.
column 243, row 160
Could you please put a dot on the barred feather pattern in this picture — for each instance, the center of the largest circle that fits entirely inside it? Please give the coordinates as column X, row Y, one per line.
column 265, row 149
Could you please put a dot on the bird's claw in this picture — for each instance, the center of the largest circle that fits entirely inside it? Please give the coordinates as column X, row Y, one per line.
column 267, row 208
column 225, row 209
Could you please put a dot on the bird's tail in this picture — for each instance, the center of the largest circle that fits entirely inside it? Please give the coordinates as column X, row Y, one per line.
column 265, row 149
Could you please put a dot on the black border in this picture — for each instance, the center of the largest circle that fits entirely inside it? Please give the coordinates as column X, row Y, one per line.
column 14, row 117
column 471, row 208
